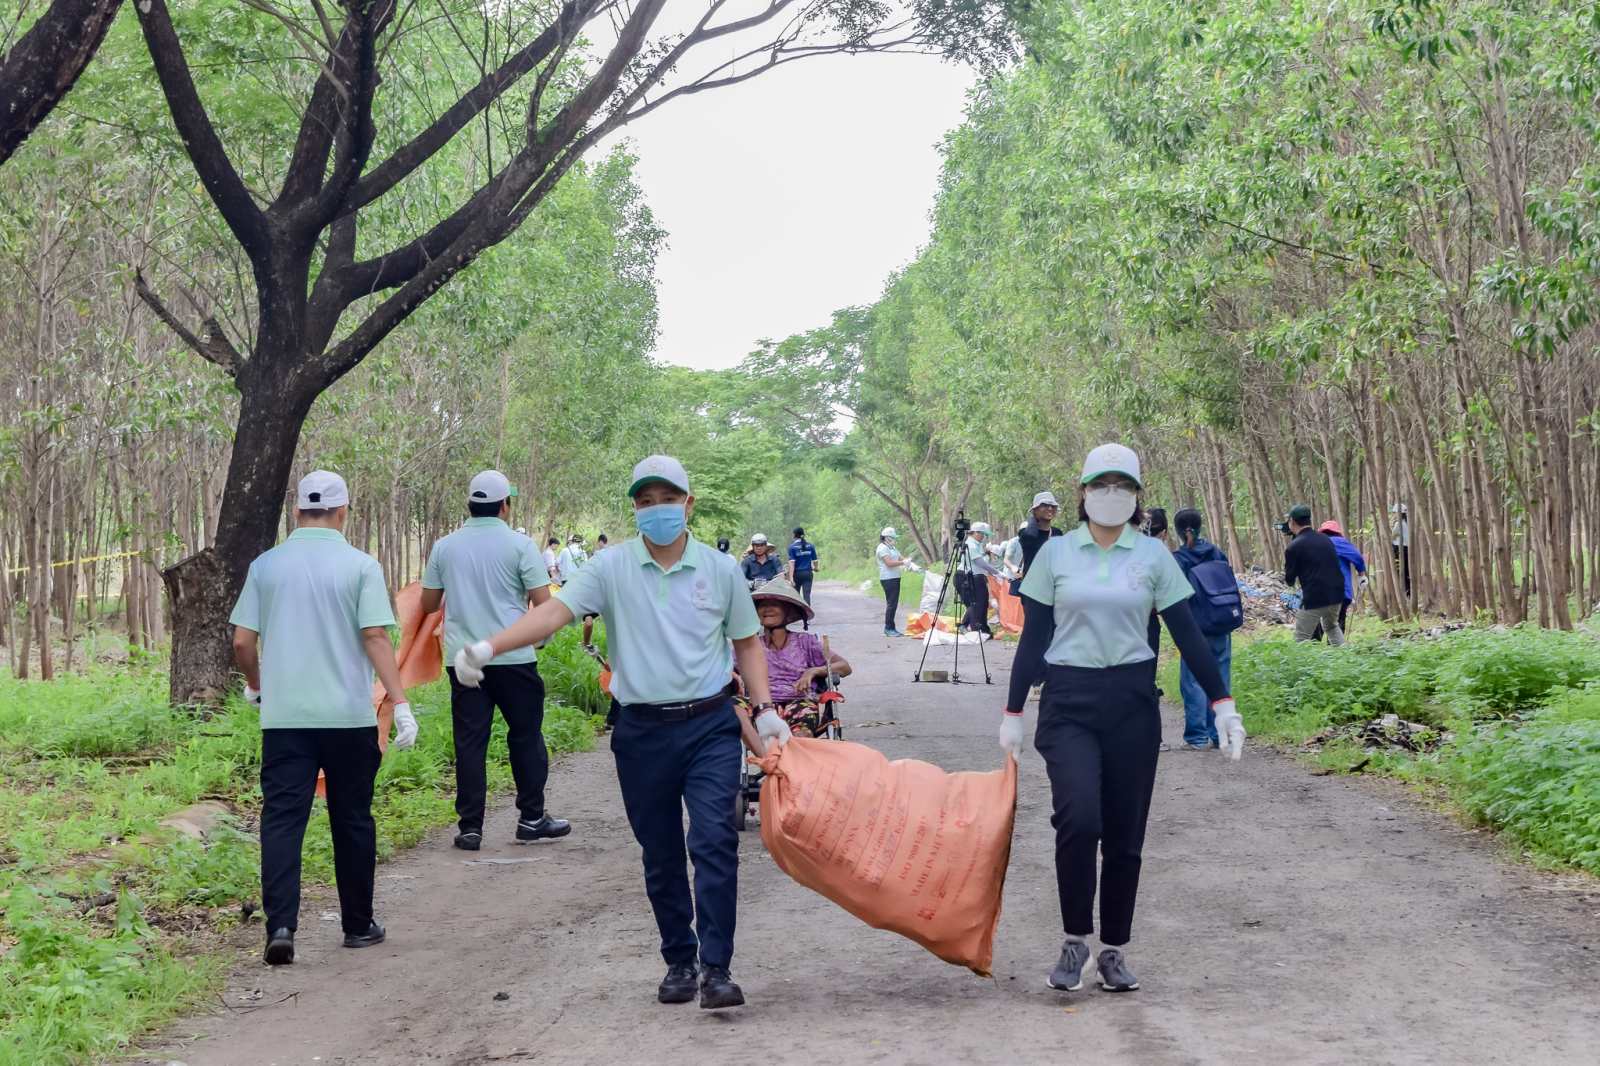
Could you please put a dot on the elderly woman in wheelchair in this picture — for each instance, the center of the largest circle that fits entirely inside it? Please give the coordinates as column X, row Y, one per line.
column 800, row 670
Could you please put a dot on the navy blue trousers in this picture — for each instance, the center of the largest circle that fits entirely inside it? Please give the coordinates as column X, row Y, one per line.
column 1100, row 734
column 290, row 759
column 664, row 767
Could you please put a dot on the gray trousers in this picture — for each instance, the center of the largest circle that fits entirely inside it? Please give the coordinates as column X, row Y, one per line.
column 1307, row 620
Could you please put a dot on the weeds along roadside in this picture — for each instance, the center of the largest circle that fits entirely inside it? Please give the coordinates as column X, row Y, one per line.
column 110, row 923
column 1516, row 713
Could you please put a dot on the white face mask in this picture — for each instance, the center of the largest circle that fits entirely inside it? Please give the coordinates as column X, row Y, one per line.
column 1109, row 506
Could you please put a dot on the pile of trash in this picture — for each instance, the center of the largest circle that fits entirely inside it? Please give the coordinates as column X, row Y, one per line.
column 1267, row 600
column 1389, row 732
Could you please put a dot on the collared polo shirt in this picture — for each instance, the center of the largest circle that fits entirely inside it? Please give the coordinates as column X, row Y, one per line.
column 667, row 631
column 887, row 551
column 310, row 598
column 1103, row 597
column 486, row 570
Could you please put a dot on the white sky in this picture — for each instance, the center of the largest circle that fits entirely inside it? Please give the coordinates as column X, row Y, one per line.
column 791, row 195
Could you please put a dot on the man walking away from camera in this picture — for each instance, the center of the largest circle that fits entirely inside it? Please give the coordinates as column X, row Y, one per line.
column 1351, row 562
column 1199, row 721
column 488, row 575
column 321, row 612
column 1311, row 559
column 802, row 563
column 571, row 559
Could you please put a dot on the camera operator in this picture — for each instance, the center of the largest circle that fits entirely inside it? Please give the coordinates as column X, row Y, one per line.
column 978, row 571
column 1311, row 559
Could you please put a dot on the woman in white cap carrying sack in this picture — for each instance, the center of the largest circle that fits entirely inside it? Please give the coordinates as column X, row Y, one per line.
column 1099, row 716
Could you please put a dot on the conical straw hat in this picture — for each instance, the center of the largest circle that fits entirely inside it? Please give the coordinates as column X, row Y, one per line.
column 780, row 590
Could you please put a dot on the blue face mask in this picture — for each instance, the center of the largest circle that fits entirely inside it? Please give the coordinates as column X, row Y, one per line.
column 661, row 524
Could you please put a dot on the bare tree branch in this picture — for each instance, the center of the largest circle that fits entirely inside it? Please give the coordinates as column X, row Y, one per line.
column 213, row 346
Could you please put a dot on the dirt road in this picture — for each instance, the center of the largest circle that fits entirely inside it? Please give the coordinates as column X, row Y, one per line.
column 1284, row 918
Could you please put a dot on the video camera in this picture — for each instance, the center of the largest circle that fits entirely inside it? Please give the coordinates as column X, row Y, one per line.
column 1283, row 527
column 963, row 526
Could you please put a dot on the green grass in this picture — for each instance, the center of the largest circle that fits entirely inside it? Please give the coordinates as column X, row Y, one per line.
column 88, row 766
column 1522, row 703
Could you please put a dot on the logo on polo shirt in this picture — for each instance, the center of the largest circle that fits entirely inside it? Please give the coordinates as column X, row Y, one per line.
column 1136, row 575
column 701, row 596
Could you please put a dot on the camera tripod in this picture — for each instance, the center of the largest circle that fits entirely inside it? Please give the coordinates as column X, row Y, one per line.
column 958, row 545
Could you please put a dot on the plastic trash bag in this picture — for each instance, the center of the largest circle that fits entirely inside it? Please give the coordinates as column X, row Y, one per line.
column 901, row 845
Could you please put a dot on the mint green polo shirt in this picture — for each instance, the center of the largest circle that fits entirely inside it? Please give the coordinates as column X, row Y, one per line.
column 887, row 551
column 486, row 570
column 667, row 631
column 1103, row 597
column 310, row 598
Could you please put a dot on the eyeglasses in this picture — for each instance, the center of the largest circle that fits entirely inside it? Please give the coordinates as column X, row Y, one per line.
column 1099, row 489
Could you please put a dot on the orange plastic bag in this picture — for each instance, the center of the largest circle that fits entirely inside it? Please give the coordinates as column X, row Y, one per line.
column 917, row 625
column 420, row 658
column 901, row 845
column 1006, row 606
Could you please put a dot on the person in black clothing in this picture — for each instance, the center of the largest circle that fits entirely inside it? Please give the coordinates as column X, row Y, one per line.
column 1155, row 526
column 1313, row 561
column 760, row 563
column 802, row 563
column 1032, row 536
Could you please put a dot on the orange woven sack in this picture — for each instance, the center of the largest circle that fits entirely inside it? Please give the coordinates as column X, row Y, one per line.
column 901, row 845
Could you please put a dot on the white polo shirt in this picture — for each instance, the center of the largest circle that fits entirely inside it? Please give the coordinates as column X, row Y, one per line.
column 1103, row 598
column 667, row 631
column 486, row 570
column 310, row 598
column 569, row 562
column 549, row 559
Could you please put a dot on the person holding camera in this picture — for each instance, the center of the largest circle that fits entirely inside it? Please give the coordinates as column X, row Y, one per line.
column 978, row 570
column 1313, row 561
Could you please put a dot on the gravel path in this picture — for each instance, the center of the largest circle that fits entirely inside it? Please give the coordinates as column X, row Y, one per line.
column 1285, row 918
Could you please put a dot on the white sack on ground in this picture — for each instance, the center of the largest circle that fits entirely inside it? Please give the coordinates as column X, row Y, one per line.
column 930, row 590
column 939, row 636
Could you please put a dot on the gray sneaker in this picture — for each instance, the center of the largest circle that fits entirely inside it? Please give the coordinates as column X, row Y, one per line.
column 1068, row 974
column 1114, row 975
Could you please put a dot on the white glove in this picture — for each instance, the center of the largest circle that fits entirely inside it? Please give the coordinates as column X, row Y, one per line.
column 1011, row 735
column 1230, row 727
column 470, row 659
column 252, row 696
column 405, row 727
column 770, row 726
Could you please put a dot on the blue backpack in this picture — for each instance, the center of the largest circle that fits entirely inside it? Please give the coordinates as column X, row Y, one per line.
column 1218, row 608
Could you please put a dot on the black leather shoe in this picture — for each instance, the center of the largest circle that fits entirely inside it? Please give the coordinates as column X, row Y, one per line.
column 679, row 984
column 374, row 935
column 718, row 990
column 280, row 947
column 469, row 840
column 545, row 827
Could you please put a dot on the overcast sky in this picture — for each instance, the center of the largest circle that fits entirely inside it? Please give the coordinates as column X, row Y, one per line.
column 791, row 195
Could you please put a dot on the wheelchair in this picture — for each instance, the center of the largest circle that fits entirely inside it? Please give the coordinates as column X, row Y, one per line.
column 750, row 777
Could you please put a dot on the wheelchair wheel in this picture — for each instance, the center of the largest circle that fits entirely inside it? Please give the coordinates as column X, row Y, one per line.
column 741, row 807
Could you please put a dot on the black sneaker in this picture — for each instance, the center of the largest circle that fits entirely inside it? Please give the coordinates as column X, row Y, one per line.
column 280, row 947
column 374, row 935
column 717, row 989
column 1068, row 974
column 545, row 827
column 1114, row 975
column 680, row 983
column 469, row 840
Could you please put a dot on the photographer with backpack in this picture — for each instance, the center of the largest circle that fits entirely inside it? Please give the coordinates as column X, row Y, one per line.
column 1218, row 610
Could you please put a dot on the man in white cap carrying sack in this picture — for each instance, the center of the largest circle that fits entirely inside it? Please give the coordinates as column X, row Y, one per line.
column 671, row 606
column 487, row 575
column 321, row 612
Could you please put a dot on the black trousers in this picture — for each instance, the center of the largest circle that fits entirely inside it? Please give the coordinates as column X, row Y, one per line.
column 1100, row 734
column 977, row 616
column 290, row 759
column 802, row 583
column 891, row 596
column 518, row 691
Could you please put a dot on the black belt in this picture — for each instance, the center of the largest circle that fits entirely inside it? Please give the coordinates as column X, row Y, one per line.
column 683, row 710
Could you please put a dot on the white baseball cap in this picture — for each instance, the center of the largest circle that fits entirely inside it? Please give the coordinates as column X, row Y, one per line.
column 658, row 468
column 1111, row 459
column 490, row 486
column 1042, row 498
column 759, row 538
column 888, row 531
column 980, row 527
column 321, row 490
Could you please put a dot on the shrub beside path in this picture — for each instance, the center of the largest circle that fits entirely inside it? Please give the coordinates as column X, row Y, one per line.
column 1284, row 918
